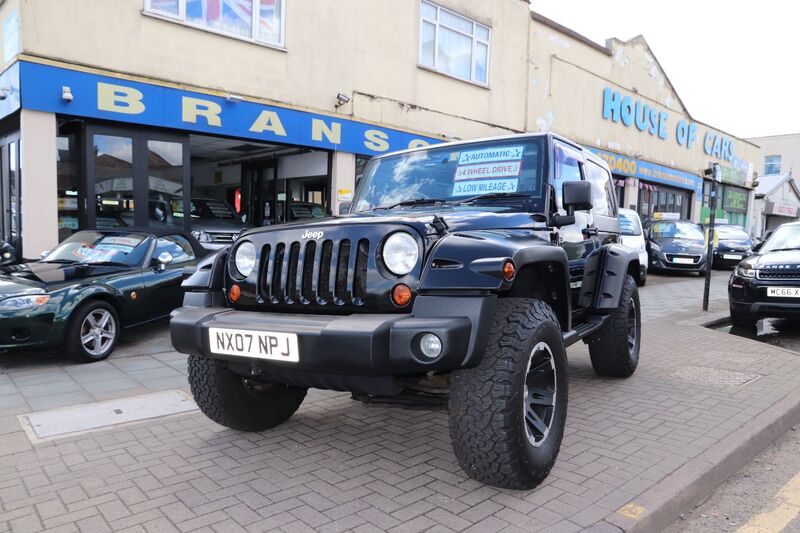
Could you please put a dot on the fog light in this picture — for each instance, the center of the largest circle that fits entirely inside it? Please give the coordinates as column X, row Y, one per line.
column 234, row 293
column 430, row 345
column 401, row 295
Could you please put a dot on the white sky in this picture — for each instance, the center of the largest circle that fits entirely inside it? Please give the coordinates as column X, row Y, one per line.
column 733, row 63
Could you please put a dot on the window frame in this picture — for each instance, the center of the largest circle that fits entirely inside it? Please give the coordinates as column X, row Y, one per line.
column 180, row 18
column 767, row 164
column 173, row 237
column 473, row 37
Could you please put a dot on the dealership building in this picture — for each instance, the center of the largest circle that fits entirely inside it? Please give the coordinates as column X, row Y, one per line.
column 275, row 106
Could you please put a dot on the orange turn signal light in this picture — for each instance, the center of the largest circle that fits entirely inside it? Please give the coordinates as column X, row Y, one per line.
column 401, row 295
column 509, row 270
column 234, row 293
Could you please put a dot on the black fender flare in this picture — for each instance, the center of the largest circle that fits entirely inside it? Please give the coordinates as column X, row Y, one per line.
column 604, row 276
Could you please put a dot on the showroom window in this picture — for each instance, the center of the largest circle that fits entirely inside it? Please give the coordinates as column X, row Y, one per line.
column 452, row 44
column 229, row 17
column 772, row 164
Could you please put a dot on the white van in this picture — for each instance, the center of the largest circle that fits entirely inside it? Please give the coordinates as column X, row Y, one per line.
column 632, row 237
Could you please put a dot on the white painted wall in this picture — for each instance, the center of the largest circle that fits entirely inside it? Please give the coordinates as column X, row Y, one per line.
column 39, row 187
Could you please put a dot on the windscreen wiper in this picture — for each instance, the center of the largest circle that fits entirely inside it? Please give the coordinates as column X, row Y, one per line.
column 59, row 261
column 784, row 249
column 415, row 201
column 492, row 196
column 106, row 263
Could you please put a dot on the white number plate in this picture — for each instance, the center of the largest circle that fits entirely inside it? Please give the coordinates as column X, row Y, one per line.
column 683, row 260
column 258, row 344
column 783, row 292
column 732, row 256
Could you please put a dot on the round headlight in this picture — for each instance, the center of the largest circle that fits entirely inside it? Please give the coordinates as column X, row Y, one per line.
column 400, row 253
column 244, row 259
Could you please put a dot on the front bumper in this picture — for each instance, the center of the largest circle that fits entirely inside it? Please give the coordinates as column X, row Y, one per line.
column 748, row 296
column 659, row 262
column 335, row 351
column 733, row 259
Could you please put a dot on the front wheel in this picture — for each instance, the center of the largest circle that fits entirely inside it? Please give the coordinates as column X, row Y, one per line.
column 642, row 280
column 240, row 403
column 93, row 332
column 614, row 350
column 507, row 415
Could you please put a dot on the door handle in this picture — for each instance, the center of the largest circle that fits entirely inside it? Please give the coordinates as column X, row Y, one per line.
column 590, row 232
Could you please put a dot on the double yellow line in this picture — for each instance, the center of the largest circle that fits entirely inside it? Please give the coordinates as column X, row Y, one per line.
column 785, row 509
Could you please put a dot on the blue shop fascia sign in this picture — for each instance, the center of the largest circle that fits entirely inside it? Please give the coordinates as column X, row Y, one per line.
column 112, row 98
column 627, row 166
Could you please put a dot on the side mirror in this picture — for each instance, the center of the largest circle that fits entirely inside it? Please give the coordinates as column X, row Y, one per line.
column 44, row 254
column 344, row 207
column 164, row 259
column 577, row 196
column 757, row 246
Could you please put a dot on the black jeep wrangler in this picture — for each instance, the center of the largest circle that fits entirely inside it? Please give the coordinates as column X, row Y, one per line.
column 458, row 278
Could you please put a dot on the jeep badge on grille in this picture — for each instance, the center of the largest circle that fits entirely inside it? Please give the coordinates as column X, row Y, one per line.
column 312, row 234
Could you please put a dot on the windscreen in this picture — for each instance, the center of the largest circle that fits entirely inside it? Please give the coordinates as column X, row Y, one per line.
column 91, row 248
column 629, row 224
column 454, row 173
column 733, row 233
column 678, row 230
column 208, row 209
column 784, row 238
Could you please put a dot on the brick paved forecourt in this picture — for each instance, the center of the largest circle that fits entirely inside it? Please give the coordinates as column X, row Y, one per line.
column 635, row 451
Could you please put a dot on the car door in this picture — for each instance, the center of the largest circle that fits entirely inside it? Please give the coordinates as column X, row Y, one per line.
column 578, row 239
column 162, row 291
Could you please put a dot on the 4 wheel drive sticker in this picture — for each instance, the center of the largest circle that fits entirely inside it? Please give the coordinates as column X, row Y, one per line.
column 488, row 155
column 277, row 346
column 488, row 170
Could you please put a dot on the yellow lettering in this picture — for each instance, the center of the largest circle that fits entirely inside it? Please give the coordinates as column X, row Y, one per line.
column 119, row 99
column 416, row 143
column 197, row 107
column 332, row 132
column 376, row 140
column 268, row 121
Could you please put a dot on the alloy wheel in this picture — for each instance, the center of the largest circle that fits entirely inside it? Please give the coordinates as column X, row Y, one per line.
column 98, row 331
column 540, row 394
column 633, row 330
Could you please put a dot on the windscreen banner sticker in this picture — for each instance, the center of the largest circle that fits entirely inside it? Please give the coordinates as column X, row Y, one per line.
column 115, row 247
column 133, row 242
column 488, row 155
column 476, row 187
column 488, row 170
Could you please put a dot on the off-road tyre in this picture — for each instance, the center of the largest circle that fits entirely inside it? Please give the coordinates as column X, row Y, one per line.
column 614, row 350
column 232, row 401
column 76, row 330
column 488, row 426
column 741, row 320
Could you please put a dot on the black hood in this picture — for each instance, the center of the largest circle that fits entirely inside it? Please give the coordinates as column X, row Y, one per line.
column 786, row 259
column 681, row 246
column 42, row 275
column 457, row 218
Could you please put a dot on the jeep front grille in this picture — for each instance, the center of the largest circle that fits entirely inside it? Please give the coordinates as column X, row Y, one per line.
column 313, row 272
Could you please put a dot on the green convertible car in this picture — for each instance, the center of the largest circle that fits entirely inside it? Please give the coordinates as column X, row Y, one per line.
column 81, row 295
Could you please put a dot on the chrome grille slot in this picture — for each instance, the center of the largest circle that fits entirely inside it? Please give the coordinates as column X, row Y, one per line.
column 324, row 294
column 291, row 275
column 277, row 267
column 308, row 263
column 360, row 275
column 342, row 267
column 315, row 272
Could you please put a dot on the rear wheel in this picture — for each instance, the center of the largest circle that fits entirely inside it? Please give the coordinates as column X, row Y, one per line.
column 507, row 415
column 240, row 403
column 614, row 350
column 93, row 332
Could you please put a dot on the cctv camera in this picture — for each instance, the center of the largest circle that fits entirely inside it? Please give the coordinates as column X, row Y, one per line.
column 66, row 94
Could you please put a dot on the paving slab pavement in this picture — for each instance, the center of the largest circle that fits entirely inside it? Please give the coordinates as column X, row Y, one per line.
column 340, row 465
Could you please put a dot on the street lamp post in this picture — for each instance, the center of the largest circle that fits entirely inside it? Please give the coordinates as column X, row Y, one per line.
column 713, row 171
